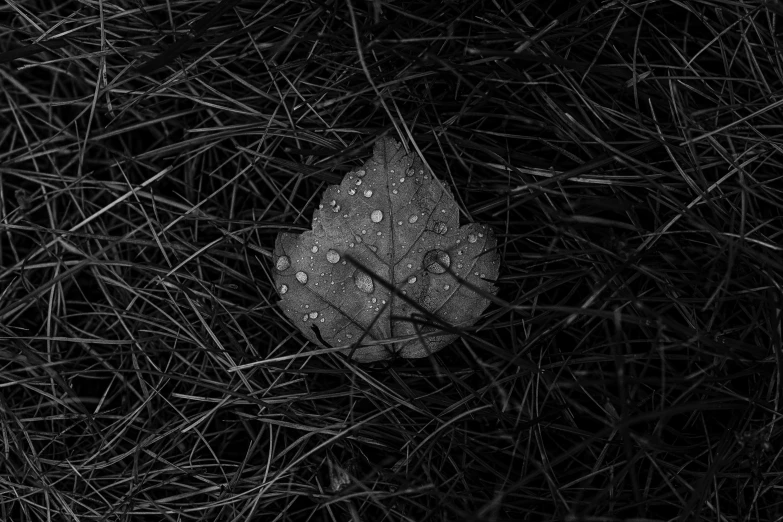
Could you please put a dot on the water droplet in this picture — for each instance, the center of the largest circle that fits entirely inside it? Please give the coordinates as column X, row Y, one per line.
column 399, row 222
column 314, row 249
column 304, row 318
column 332, row 203
column 437, row 261
column 301, row 277
column 394, row 191
column 376, row 216
column 283, row 262
column 313, row 315
column 414, row 218
column 368, row 193
column 336, row 209
column 363, row 282
column 283, row 289
column 440, row 228
column 358, row 182
column 402, row 180
column 411, row 280
column 332, row 256
column 360, row 173
column 352, row 192
column 445, row 287
column 472, row 238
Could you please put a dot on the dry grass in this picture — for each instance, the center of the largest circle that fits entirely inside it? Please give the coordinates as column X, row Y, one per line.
column 626, row 153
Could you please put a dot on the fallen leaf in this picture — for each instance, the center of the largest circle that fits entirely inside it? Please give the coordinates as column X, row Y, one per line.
column 402, row 225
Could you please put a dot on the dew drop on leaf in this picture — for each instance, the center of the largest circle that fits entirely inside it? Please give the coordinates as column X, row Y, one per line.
column 437, row 261
column 363, row 282
column 348, row 263
column 332, row 256
column 283, row 262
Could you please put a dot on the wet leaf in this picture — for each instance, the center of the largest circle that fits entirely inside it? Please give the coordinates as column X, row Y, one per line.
column 401, row 226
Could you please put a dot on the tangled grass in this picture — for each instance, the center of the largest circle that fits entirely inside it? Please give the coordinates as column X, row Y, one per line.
column 626, row 154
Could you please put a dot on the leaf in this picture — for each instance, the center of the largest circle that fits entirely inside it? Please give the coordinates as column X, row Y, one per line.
column 402, row 225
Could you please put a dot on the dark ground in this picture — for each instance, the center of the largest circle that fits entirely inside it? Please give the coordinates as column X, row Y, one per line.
column 627, row 155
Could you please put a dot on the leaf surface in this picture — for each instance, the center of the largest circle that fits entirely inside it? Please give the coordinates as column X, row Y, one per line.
column 402, row 225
